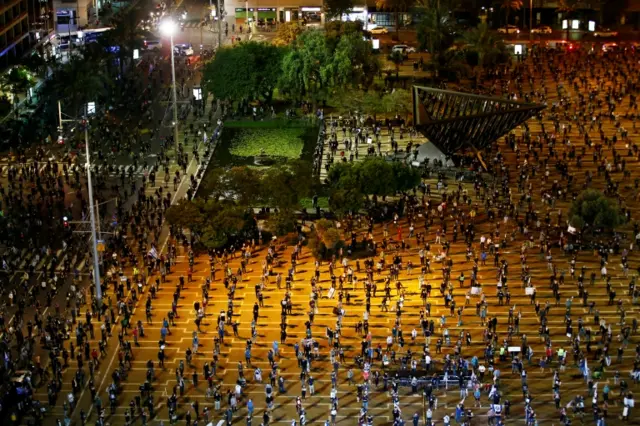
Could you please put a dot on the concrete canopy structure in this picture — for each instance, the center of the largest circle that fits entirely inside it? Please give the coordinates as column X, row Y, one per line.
column 454, row 121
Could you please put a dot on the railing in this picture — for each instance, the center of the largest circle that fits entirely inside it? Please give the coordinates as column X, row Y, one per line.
column 319, row 151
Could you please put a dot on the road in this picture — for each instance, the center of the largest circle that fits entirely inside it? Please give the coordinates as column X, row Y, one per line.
column 81, row 262
column 410, row 37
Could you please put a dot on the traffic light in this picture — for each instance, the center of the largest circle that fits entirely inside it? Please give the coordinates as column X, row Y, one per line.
column 65, row 222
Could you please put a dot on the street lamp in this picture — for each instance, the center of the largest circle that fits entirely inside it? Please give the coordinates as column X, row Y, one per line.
column 530, row 19
column 94, row 237
column 168, row 27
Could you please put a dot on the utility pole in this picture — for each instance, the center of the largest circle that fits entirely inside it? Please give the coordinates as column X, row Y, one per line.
column 94, row 238
column 92, row 214
column 219, row 25
column 530, row 20
column 175, row 98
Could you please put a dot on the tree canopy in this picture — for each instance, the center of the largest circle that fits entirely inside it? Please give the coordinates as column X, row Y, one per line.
column 351, row 182
column 287, row 33
column 249, row 70
column 483, row 47
column 591, row 209
column 325, row 239
column 228, row 197
column 318, row 64
column 337, row 8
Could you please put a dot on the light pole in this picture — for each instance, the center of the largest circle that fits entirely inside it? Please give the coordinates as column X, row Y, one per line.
column 530, row 19
column 94, row 238
column 168, row 27
column 219, row 26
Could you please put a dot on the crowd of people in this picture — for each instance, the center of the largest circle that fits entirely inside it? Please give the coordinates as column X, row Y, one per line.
column 433, row 264
column 49, row 304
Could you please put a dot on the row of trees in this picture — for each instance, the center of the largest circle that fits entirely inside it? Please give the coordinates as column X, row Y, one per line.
column 352, row 184
column 225, row 207
column 314, row 67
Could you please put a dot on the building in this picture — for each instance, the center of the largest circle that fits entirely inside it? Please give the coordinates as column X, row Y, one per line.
column 71, row 14
column 239, row 12
column 23, row 23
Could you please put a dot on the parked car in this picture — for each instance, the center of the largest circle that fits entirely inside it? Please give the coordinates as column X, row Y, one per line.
column 543, row 29
column 509, row 29
column 152, row 44
column 605, row 32
column 379, row 30
column 403, row 48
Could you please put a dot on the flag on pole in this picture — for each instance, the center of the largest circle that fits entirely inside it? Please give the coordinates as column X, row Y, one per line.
column 153, row 253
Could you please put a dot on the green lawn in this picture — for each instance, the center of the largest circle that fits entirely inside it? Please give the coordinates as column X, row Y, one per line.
column 307, row 203
column 277, row 123
column 276, row 142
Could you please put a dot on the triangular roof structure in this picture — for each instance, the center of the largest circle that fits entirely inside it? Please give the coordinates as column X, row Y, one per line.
column 454, row 121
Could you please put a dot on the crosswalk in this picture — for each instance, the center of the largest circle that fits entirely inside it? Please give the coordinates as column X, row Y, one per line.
column 26, row 259
column 192, row 24
column 101, row 169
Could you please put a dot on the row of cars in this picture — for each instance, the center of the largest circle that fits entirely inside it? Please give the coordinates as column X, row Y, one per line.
column 545, row 29
column 512, row 29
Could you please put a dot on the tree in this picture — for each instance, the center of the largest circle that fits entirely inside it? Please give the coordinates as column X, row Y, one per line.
column 325, row 239
column 186, row 214
column 287, row 33
column 337, row 8
column 282, row 222
column 334, row 30
column 279, row 189
column 369, row 102
column 405, row 177
column 345, row 201
column 214, row 185
column 353, row 62
column 303, row 181
column 224, row 221
column 79, row 82
column 396, row 6
column 399, row 101
column 126, row 34
column 344, row 175
column 248, row 71
column 509, row 5
column 482, row 47
column 376, row 175
column 245, row 183
column 592, row 210
column 435, row 31
column 305, row 68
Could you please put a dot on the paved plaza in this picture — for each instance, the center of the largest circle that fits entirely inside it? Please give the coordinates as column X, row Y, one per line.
column 524, row 165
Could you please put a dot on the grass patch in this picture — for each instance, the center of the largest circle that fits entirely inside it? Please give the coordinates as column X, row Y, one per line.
column 307, row 203
column 273, row 142
column 277, row 123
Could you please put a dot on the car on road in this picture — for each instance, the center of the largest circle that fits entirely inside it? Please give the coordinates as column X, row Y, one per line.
column 605, row 32
column 403, row 48
column 509, row 29
column 151, row 44
column 183, row 49
column 379, row 30
column 543, row 29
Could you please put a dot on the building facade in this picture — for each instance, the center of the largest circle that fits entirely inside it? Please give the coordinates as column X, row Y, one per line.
column 240, row 12
column 23, row 23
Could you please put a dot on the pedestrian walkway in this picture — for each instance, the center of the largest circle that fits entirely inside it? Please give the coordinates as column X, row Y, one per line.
column 346, row 148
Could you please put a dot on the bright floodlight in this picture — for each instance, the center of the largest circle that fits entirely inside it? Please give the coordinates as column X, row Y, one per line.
column 168, row 27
